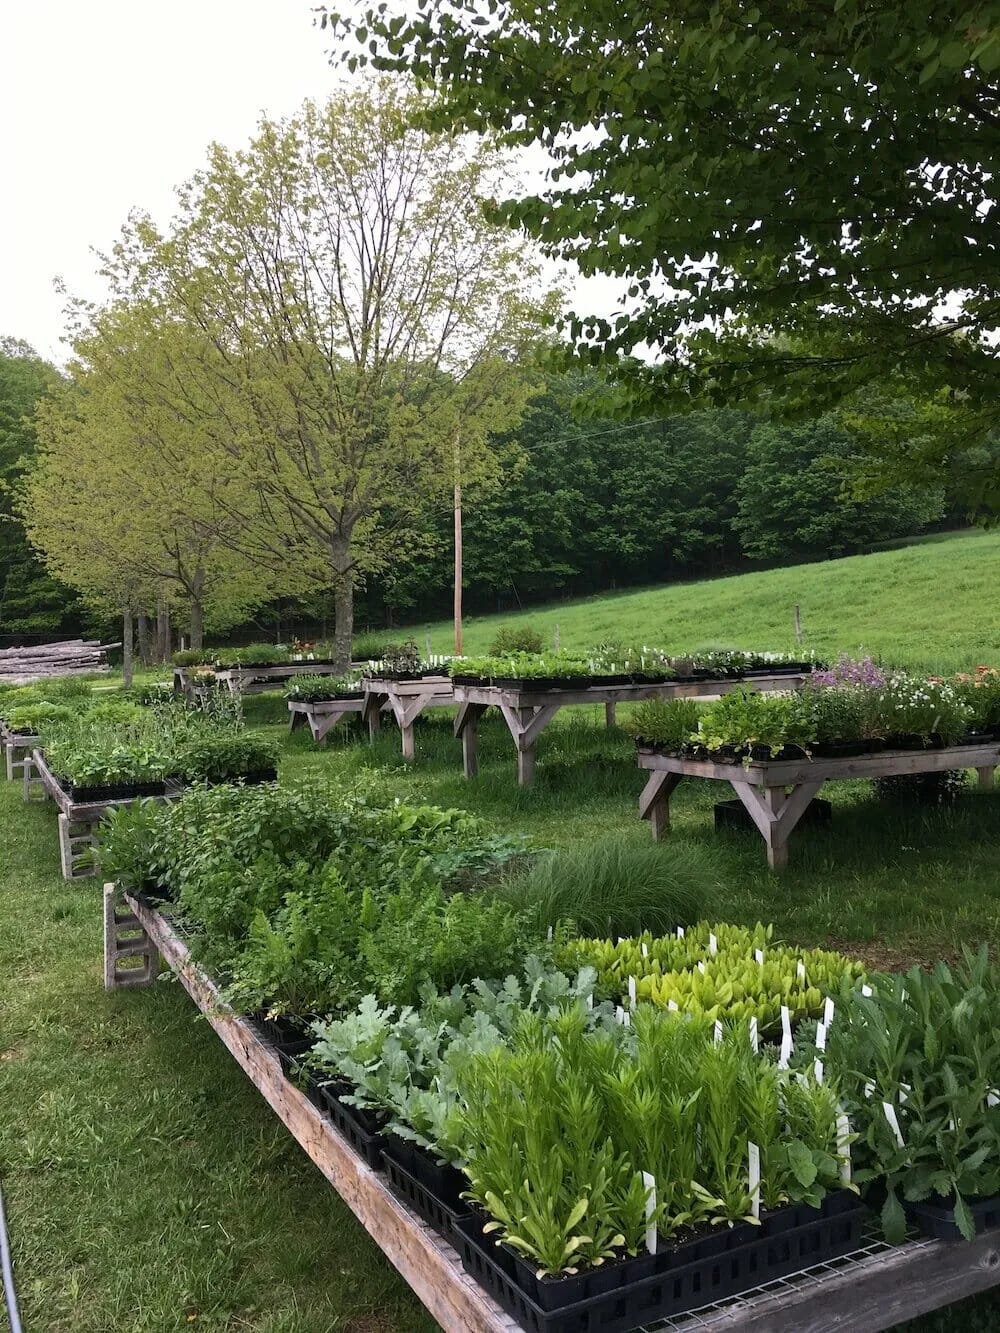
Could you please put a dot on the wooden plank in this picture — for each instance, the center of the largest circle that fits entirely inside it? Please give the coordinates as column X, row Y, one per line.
column 870, row 1295
column 791, row 772
column 426, row 1262
column 605, row 694
column 855, row 1295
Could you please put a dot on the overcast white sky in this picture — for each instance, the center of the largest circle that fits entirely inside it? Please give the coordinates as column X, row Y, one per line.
column 107, row 105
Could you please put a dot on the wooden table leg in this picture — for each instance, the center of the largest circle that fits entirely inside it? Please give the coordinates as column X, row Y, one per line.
column 776, row 811
column 467, row 727
column 610, row 714
column 654, row 803
column 986, row 777
column 372, row 714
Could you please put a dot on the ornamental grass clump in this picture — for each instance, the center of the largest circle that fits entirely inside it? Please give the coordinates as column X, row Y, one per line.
column 716, row 971
column 617, row 886
column 667, row 723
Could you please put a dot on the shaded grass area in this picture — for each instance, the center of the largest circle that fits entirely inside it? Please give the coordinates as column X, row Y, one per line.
column 150, row 1188
column 931, row 604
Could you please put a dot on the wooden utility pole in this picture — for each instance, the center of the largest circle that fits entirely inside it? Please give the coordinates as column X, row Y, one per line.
column 458, row 544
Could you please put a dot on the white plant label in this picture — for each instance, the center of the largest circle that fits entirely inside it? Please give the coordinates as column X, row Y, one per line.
column 754, row 1038
column 626, row 1019
column 672, row 1006
column 619, row 1014
column 680, row 932
column 869, row 1087
column 818, row 1070
column 993, row 1099
column 718, row 1031
column 548, row 934
column 844, row 1147
column 650, row 1184
column 904, row 1093
column 866, row 991
column 753, row 1164
column 786, row 1038
column 828, row 1011
column 800, row 971
column 645, row 949
column 631, row 992
column 590, row 1000
column 701, row 966
column 713, row 944
column 758, row 955
column 890, row 1115
column 821, row 1036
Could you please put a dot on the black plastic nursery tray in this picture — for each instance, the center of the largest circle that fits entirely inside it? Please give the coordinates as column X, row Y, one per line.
column 432, row 1191
column 125, row 791
column 775, row 1250
column 734, row 815
column 936, row 1216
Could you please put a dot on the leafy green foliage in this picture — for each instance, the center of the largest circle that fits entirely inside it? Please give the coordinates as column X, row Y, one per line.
column 405, row 1061
column 750, row 717
column 667, row 722
column 744, row 976
column 220, row 756
column 617, row 886
column 511, row 639
column 314, row 689
column 928, row 1045
column 558, row 1126
column 835, row 231
column 308, row 899
column 34, row 718
column 254, row 654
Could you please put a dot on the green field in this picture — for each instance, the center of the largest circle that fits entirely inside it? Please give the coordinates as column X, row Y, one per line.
column 933, row 605
column 150, row 1189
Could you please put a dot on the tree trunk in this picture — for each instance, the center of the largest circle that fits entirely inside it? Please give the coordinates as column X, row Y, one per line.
column 144, row 644
column 458, row 569
column 162, row 630
column 458, row 544
column 127, row 648
column 343, row 617
column 197, row 623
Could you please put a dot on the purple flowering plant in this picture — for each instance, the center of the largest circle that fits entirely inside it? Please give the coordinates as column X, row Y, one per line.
column 863, row 672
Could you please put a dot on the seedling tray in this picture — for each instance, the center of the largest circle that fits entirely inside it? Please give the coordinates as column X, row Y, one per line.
column 772, row 1253
column 936, row 1216
column 361, row 1129
column 122, row 791
column 438, row 1201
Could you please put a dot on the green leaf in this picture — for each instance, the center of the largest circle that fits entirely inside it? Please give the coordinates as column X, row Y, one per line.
column 954, row 55
column 801, row 1161
column 963, row 1218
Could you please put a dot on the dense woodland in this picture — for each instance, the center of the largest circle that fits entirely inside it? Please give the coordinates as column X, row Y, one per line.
column 587, row 504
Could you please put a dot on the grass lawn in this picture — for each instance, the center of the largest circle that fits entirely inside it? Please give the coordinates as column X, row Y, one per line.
column 932, row 604
column 148, row 1186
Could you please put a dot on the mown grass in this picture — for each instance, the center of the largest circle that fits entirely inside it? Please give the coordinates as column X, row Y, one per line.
column 149, row 1187
column 932, row 604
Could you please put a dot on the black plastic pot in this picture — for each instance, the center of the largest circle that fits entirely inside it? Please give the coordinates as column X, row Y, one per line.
column 362, row 1129
column 936, row 1216
column 764, row 753
column 688, row 1279
column 431, row 1190
column 728, row 754
column 840, row 749
column 124, row 791
column 280, row 1031
column 906, row 740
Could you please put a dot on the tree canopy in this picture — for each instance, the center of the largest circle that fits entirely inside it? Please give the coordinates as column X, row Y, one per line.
column 823, row 171
column 354, row 319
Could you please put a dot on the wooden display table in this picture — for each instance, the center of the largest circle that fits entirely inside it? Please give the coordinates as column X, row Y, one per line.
column 527, row 712
column 776, row 794
column 321, row 715
column 255, row 680
column 17, row 747
column 406, row 699
column 874, row 1288
column 78, row 820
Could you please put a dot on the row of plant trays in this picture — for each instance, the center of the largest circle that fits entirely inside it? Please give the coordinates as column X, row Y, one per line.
column 692, row 676
column 616, row 1296
column 131, row 791
column 738, row 754
column 709, row 1266
column 333, row 697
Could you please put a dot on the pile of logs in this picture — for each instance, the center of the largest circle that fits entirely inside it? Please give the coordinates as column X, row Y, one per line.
column 75, row 657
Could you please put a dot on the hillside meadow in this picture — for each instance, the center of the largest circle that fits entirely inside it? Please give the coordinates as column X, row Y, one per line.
column 932, row 605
